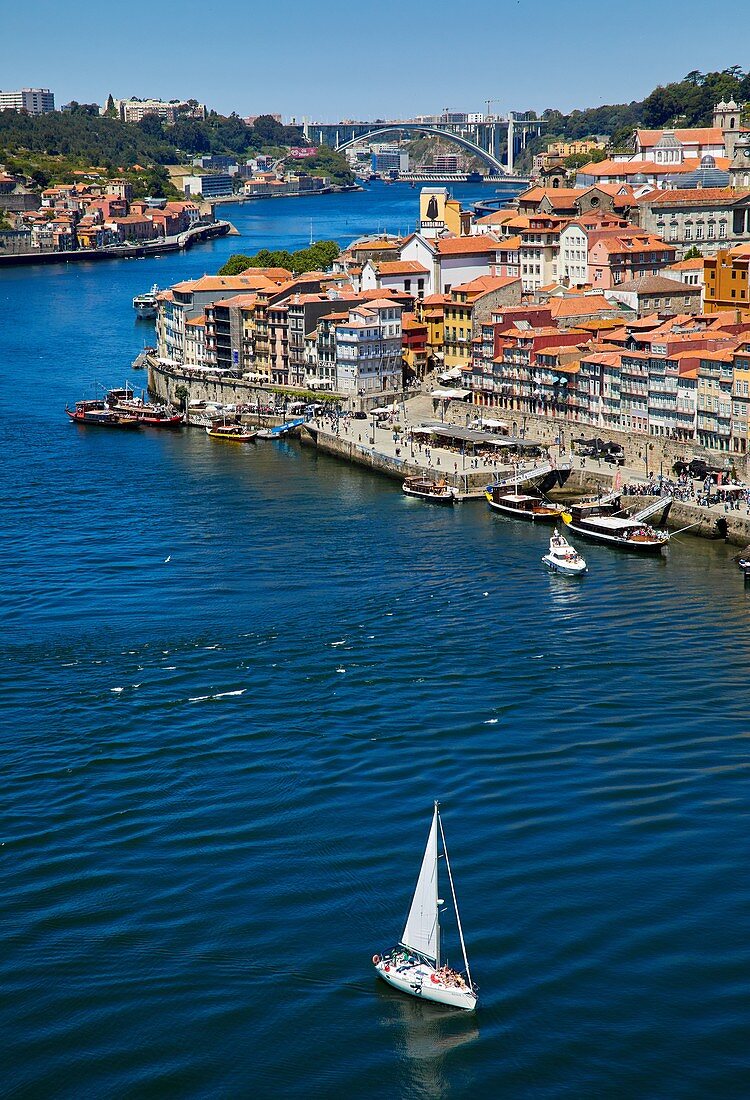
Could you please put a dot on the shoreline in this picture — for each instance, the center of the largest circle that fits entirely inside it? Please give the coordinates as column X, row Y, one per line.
column 179, row 243
column 355, row 446
column 238, row 200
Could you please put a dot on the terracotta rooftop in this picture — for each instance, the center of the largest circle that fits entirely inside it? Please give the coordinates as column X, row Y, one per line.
column 465, row 246
column 578, row 305
column 701, row 135
column 657, row 284
column 721, row 196
column 400, row 267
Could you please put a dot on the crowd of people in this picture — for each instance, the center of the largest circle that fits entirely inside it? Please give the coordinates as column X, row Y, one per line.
column 450, row 978
column 734, row 495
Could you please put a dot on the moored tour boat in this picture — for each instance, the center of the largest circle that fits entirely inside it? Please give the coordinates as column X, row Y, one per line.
column 563, row 558
column 98, row 413
column 438, row 492
column 414, row 966
column 529, row 506
column 155, row 416
column 231, row 433
column 603, row 521
column 146, row 305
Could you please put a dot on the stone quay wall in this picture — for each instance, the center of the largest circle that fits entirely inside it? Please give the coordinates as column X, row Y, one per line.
column 642, row 452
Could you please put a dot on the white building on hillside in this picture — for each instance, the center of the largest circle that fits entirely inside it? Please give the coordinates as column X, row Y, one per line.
column 574, row 254
column 35, row 101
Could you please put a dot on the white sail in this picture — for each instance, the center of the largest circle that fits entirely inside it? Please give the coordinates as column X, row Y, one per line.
column 421, row 933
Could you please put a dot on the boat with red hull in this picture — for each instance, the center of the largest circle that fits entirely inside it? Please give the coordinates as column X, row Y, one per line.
column 98, row 414
column 153, row 416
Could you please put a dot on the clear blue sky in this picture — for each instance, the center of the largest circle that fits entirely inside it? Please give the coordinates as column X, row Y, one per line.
column 334, row 59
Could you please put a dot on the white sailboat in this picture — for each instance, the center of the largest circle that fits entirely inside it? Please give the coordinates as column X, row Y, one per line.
column 414, row 965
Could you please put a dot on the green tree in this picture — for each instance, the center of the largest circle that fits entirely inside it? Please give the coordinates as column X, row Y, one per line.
column 110, row 110
column 693, row 254
column 318, row 257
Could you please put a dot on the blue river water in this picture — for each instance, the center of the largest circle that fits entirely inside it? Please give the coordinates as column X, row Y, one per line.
column 218, row 769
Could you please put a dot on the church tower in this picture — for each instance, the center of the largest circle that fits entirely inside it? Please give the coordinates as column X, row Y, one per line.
column 727, row 119
column 739, row 169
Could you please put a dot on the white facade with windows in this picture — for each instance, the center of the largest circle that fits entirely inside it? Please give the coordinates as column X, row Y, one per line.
column 35, row 101
column 368, row 349
column 574, row 254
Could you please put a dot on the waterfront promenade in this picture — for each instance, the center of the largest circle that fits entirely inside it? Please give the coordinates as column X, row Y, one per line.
column 389, row 447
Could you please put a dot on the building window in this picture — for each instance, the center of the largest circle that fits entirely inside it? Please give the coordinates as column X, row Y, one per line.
column 688, row 232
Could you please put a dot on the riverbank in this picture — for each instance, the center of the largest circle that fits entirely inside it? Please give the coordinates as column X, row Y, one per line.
column 377, row 449
column 240, row 200
column 177, row 243
column 385, row 449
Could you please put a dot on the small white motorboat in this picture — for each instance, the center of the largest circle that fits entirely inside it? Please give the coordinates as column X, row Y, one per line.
column 414, row 965
column 563, row 558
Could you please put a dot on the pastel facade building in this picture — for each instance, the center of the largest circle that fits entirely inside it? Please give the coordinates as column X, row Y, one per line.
column 368, row 349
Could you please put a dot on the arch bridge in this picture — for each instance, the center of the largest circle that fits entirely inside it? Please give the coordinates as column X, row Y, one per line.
column 482, row 139
column 424, row 128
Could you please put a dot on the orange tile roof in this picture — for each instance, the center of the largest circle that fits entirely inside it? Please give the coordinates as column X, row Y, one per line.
column 696, row 264
column 466, row 246
column 578, row 306
column 242, row 301
column 713, row 196
column 400, row 267
column 485, row 283
column 379, row 244
column 497, row 217
column 536, row 194
column 510, row 244
column 252, row 279
column 606, row 358
column 701, row 135
column 633, row 167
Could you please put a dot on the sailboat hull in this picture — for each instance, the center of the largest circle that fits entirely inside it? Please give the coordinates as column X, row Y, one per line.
column 421, row 981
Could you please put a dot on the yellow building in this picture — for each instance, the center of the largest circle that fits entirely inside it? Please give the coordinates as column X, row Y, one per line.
column 726, row 279
column 573, row 148
column 430, row 311
column 468, row 306
column 438, row 212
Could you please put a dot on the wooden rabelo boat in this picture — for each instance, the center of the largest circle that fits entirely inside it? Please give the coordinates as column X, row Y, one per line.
column 437, row 492
column 530, row 505
column 604, row 521
column 231, row 433
column 98, row 414
column 153, row 416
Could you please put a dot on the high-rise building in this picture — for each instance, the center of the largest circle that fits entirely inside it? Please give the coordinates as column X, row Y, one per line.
column 35, row 101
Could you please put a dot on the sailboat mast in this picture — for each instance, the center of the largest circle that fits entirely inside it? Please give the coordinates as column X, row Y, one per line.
column 437, row 908
column 455, row 902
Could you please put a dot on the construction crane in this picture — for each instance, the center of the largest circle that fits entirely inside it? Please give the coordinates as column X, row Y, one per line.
column 488, row 104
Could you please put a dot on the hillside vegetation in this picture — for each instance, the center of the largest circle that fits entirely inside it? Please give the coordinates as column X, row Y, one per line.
column 684, row 103
column 318, row 257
